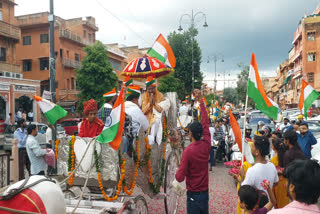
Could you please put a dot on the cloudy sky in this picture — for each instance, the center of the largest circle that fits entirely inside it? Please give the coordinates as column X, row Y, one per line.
column 236, row 27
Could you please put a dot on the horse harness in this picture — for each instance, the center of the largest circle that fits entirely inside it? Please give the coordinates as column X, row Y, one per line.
column 23, row 186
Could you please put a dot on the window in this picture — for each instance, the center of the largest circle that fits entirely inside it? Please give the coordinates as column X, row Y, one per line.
column 311, row 57
column 61, row 53
column 311, row 36
column 44, row 38
column 0, row 4
column 0, row 15
column 89, row 35
column 44, row 64
column 115, row 64
column 27, row 65
column 76, row 57
column 27, row 40
column 84, row 34
column 2, row 54
column 310, row 77
column 68, row 83
column 72, row 83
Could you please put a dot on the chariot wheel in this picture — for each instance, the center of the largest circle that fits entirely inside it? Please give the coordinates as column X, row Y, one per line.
column 141, row 205
column 171, row 200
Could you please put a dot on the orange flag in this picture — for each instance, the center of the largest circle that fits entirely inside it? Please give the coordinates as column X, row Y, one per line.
column 236, row 130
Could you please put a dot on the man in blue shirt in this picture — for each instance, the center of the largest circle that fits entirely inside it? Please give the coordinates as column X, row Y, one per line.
column 306, row 139
column 21, row 135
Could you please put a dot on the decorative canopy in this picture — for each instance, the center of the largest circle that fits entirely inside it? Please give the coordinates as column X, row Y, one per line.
column 146, row 66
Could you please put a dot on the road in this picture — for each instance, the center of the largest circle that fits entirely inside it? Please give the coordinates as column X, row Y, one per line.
column 222, row 195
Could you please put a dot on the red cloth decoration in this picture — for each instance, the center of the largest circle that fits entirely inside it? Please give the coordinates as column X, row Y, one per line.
column 90, row 105
column 27, row 200
column 90, row 130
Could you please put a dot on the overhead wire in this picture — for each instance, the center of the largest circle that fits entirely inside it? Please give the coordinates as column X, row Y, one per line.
column 125, row 24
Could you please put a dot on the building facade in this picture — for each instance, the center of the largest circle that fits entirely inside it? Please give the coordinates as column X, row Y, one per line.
column 70, row 38
column 16, row 92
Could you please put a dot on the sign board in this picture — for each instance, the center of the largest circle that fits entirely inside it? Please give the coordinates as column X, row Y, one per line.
column 24, row 88
column 46, row 95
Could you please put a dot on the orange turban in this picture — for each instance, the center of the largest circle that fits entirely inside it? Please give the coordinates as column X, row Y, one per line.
column 90, row 105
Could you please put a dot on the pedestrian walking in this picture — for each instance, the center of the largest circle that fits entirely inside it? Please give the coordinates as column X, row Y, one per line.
column 306, row 139
column 194, row 163
column 21, row 135
column 35, row 153
column 7, row 122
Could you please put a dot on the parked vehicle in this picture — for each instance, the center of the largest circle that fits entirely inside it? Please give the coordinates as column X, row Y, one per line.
column 71, row 126
column 10, row 129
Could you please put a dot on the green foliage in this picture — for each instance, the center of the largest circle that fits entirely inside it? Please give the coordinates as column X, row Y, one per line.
column 171, row 84
column 230, row 95
column 96, row 75
column 242, row 85
column 181, row 45
column 211, row 98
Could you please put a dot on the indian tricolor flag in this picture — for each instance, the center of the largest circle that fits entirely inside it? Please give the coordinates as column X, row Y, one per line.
column 112, row 132
column 307, row 97
column 163, row 52
column 50, row 110
column 256, row 91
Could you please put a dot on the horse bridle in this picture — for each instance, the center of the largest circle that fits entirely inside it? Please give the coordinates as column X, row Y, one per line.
column 23, row 186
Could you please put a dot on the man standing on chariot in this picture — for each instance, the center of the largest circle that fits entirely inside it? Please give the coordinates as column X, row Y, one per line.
column 91, row 126
column 109, row 99
column 153, row 104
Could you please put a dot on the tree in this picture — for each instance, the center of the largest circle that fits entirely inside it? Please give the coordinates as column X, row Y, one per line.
column 230, row 95
column 171, row 84
column 96, row 76
column 181, row 45
column 242, row 84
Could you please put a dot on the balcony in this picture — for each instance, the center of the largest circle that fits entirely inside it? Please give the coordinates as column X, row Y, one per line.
column 9, row 67
column 297, row 34
column 71, row 63
column 9, row 31
column 67, row 34
column 297, row 69
column 32, row 19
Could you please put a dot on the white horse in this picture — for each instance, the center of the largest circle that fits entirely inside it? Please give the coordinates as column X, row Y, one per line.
column 44, row 197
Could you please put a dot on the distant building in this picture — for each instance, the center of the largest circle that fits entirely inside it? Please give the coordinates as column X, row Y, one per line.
column 16, row 92
column 71, row 36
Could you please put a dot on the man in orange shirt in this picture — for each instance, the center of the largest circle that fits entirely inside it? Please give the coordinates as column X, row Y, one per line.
column 91, row 126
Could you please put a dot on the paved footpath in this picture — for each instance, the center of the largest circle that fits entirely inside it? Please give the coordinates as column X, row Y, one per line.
column 222, row 198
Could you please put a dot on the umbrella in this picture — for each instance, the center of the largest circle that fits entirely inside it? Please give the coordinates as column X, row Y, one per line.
column 146, row 66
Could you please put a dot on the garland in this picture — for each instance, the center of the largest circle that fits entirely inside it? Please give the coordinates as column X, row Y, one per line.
column 156, row 187
column 122, row 163
column 137, row 161
column 71, row 160
column 56, row 148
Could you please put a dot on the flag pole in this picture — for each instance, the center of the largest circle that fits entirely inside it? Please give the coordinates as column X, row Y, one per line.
column 244, row 128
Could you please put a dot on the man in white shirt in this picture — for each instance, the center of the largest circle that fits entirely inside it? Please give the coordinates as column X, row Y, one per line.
column 262, row 169
column 139, row 120
column 285, row 124
column 30, row 116
column 7, row 122
column 19, row 114
column 49, row 137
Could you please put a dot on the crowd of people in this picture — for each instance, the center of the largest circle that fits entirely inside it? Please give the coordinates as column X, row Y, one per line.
column 281, row 179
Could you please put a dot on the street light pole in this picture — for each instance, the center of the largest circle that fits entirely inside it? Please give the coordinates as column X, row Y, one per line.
column 192, row 19
column 52, row 76
column 215, row 58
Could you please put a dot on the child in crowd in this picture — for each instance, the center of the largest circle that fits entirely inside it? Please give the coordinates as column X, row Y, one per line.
column 249, row 199
column 279, row 190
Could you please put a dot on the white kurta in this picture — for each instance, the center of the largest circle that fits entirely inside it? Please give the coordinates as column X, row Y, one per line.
column 139, row 120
